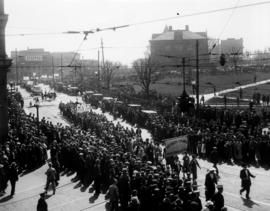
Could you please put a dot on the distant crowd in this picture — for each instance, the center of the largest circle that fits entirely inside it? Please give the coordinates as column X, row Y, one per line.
column 132, row 172
column 240, row 136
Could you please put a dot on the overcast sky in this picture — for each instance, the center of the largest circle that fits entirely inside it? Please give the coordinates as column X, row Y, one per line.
column 128, row 44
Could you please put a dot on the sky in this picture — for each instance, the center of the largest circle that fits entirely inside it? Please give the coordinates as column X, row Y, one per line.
column 52, row 17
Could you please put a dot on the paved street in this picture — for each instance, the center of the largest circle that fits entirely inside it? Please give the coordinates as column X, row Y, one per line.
column 70, row 196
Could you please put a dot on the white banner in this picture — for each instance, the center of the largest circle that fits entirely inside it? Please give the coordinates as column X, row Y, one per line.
column 176, row 145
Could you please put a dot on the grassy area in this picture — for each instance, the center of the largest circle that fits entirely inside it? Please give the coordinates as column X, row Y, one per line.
column 172, row 84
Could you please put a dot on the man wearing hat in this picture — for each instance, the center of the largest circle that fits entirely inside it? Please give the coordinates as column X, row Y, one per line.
column 210, row 184
column 218, row 199
column 51, row 178
column 245, row 180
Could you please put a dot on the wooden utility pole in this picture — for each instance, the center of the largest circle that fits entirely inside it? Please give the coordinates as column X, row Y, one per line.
column 16, row 67
column 75, row 75
column 61, row 68
column 53, row 71
column 4, row 65
column 98, row 73
column 197, row 76
column 184, row 74
column 102, row 48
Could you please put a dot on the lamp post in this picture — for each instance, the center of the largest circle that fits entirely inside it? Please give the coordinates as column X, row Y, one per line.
column 214, row 89
column 240, row 93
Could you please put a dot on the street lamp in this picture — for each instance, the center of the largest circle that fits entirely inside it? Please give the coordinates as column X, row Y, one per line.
column 11, row 87
column 240, row 93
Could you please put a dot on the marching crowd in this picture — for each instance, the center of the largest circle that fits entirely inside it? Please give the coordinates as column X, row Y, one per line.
column 117, row 160
column 139, row 177
column 240, row 136
column 24, row 150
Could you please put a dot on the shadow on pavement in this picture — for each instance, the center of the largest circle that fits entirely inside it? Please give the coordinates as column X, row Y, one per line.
column 93, row 198
column 84, row 187
column 249, row 203
column 6, row 198
column 75, row 179
column 28, row 171
column 77, row 185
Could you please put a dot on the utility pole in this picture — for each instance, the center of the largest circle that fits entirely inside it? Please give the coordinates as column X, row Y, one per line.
column 16, row 67
column 102, row 48
column 75, row 74
column 53, row 71
column 197, row 76
column 184, row 74
column 4, row 65
column 61, row 68
column 98, row 73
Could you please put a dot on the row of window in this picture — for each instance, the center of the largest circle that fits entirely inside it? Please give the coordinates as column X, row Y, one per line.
column 33, row 58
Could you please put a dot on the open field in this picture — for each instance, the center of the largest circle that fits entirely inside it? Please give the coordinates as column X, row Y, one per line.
column 172, row 84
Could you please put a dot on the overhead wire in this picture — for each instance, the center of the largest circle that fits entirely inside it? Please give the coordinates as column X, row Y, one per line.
column 114, row 28
column 225, row 25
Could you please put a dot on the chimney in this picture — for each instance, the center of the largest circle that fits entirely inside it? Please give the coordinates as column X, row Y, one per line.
column 187, row 28
column 170, row 28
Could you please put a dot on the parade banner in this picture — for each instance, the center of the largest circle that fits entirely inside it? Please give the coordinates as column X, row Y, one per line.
column 176, row 145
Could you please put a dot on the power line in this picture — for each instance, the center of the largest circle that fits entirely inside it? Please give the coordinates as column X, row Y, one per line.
column 114, row 28
column 201, row 13
column 225, row 26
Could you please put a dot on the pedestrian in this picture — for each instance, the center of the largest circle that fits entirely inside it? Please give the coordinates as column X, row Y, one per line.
column 210, row 184
column 42, row 204
column 193, row 167
column 186, row 161
column 13, row 177
column 245, row 180
column 124, row 189
column 214, row 158
column 51, row 178
column 97, row 176
column 134, row 204
column 218, row 199
column 113, row 195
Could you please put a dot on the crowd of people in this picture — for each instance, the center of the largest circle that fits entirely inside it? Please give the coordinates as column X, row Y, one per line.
column 133, row 170
column 240, row 136
column 24, row 150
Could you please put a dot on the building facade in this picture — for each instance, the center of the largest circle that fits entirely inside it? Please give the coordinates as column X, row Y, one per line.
column 169, row 47
column 39, row 62
column 232, row 46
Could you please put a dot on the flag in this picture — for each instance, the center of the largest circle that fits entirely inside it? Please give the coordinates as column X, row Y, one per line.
column 176, row 145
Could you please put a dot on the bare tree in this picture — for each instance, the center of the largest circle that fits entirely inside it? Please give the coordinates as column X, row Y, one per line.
column 146, row 73
column 108, row 72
